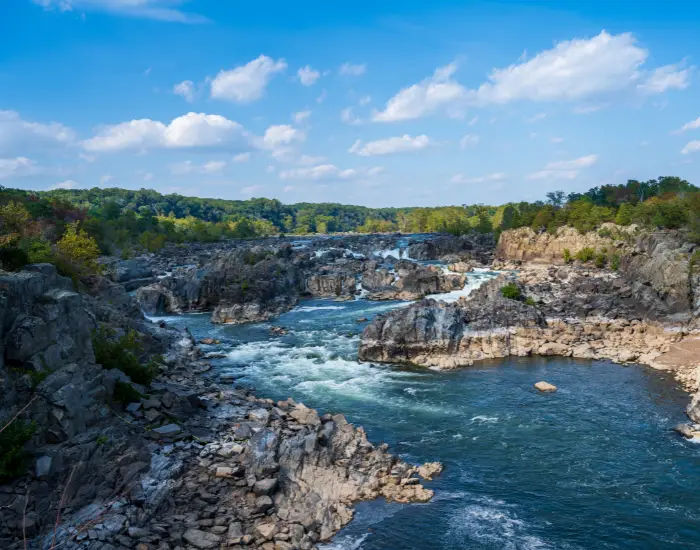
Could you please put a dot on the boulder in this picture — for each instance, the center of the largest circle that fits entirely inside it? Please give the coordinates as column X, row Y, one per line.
column 545, row 387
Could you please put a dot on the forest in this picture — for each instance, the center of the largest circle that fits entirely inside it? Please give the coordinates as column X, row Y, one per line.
column 72, row 228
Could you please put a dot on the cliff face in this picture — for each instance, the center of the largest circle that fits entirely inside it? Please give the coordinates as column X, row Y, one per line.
column 659, row 260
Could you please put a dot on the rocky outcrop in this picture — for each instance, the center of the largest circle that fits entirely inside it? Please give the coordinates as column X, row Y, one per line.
column 475, row 246
column 409, row 281
column 487, row 325
column 657, row 260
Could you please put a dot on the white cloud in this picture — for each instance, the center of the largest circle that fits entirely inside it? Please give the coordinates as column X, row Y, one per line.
column 308, row 76
column 185, row 89
column 436, row 92
column 17, row 134
column 556, row 139
column 399, row 144
column 692, row 125
column 365, row 100
column 318, row 173
column 67, row 184
column 691, row 147
column 564, row 169
column 668, row 77
column 350, row 69
column 162, row 10
column 571, row 70
column 322, row 96
column 281, row 134
column 247, row 82
column 348, row 117
column 461, row 178
column 17, row 167
column 468, row 140
column 301, row 116
column 536, row 117
column 309, row 159
column 190, row 130
column 241, row 157
column 106, row 178
column 588, row 109
column 189, row 167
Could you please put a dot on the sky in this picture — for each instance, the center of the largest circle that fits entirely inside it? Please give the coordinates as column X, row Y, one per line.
column 386, row 103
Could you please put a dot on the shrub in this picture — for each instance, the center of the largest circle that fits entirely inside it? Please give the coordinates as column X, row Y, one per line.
column 13, row 457
column 530, row 301
column 586, row 254
column 38, row 251
column 600, row 260
column 605, row 232
column 511, row 291
column 122, row 354
column 78, row 249
column 615, row 262
column 567, row 256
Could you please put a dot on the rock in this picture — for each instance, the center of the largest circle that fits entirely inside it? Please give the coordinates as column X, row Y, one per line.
column 225, row 471
column 201, row 539
column 265, row 486
column 266, row 530
column 263, row 503
column 429, row 469
column 43, row 466
column 686, row 430
column 545, row 386
column 169, row 430
column 305, row 415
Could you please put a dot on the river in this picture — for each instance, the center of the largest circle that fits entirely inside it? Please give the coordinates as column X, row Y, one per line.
column 593, row 466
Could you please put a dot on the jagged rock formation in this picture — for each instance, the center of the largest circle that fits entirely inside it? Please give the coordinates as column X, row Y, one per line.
column 659, row 260
column 408, row 281
column 188, row 463
column 478, row 247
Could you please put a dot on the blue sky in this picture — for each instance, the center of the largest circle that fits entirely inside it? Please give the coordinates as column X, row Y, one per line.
column 375, row 103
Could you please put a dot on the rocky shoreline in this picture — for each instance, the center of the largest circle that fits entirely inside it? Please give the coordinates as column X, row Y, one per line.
column 188, row 462
column 645, row 312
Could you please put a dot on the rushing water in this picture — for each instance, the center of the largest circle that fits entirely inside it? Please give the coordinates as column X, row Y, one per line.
column 593, row 466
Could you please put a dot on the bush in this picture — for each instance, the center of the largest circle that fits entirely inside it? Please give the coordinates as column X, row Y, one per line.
column 567, row 256
column 586, row 254
column 615, row 262
column 79, row 249
column 122, row 354
column 13, row 457
column 125, row 393
column 600, row 260
column 39, row 251
column 511, row 291
column 530, row 301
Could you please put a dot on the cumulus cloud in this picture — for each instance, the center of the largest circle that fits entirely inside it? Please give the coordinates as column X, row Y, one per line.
column 668, row 77
column 308, row 76
column 319, row 172
column 572, row 70
column 348, row 117
column 436, row 92
column 461, row 178
column 241, row 157
column 692, row 125
column 190, row 130
column 185, row 89
column 67, row 184
column 468, row 140
column 17, row 167
column 564, row 169
column 246, row 83
column 691, row 147
column 162, row 10
column 350, row 69
column 399, row 144
column 189, row 167
column 281, row 134
column 301, row 116
column 18, row 134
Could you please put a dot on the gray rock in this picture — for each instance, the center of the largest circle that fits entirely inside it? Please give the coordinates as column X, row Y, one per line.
column 168, row 430
column 43, row 466
column 201, row 539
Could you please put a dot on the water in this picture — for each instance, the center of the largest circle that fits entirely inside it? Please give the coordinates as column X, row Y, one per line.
column 592, row 466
